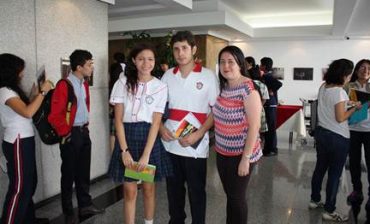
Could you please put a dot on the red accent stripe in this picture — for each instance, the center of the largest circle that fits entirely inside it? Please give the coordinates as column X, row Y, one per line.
column 178, row 115
column 197, row 68
column 18, row 182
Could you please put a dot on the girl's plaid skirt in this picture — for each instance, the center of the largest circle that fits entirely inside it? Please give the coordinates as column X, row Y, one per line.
column 136, row 137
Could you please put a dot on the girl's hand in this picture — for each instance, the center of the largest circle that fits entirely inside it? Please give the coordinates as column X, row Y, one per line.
column 166, row 134
column 47, row 86
column 142, row 163
column 358, row 105
column 243, row 169
column 127, row 159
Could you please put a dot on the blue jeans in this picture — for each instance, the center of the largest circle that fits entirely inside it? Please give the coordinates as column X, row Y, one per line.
column 332, row 150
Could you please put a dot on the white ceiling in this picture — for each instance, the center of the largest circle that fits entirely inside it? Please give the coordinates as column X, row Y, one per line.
column 244, row 19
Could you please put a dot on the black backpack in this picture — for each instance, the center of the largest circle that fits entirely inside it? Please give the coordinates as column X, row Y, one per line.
column 46, row 132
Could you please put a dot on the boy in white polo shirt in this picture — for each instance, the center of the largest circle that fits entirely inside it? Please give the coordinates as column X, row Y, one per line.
column 191, row 88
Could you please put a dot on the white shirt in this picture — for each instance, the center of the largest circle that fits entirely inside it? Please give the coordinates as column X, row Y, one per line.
column 150, row 97
column 263, row 89
column 196, row 93
column 328, row 98
column 13, row 123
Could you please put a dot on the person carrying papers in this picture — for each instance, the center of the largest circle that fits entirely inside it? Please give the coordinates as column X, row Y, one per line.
column 191, row 89
column 359, row 87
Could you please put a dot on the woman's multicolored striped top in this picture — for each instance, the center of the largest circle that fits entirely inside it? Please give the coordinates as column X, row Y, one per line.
column 231, row 121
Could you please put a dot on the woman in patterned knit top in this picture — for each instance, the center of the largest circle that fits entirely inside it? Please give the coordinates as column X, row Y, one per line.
column 237, row 114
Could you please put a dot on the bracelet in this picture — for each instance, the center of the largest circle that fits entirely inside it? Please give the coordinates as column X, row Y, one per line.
column 248, row 156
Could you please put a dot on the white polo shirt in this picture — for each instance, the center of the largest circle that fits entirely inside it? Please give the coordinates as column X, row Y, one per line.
column 197, row 93
column 150, row 97
column 13, row 123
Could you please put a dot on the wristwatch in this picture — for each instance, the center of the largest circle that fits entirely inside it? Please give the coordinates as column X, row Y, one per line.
column 43, row 93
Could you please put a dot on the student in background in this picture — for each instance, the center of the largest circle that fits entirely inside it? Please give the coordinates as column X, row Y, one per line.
column 253, row 69
column 273, row 85
column 75, row 147
column 255, row 75
column 116, row 69
column 332, row 137
column 163, row 68
column 237, row 114
column 139, row 101
column 360, row 135
column 191, row 89
column 18, row 145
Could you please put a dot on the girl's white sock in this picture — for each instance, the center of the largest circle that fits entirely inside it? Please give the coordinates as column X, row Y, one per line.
column 148, row 221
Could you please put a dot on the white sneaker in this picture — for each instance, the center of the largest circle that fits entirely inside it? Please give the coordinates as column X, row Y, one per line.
column 334, row 216
column 313, row 205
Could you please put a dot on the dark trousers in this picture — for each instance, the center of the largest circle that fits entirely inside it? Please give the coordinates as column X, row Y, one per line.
column 21, row 165
column 332, row 150
column 193, row 172
column 356, row 141
column 76, row 159
column 270, row 135
column 235, row 188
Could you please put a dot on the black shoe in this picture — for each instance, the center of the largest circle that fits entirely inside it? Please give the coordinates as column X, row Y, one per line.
column 270, row 154
column 90, row 210
column 41, row 221
column 355, row 198
column 70, row 219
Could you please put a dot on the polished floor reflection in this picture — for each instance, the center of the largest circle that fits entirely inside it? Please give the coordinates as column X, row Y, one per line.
column 278, row 193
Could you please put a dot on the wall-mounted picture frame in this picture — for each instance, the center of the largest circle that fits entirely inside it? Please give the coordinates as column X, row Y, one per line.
column 65, row 67
column 278, row 73
column 303, row 74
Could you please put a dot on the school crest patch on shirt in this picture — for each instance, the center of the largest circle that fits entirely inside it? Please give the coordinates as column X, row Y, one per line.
column 149, row 99
column 199, row 85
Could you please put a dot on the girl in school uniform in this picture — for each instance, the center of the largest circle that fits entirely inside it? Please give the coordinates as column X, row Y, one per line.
column 18, row 143
column 139, row 101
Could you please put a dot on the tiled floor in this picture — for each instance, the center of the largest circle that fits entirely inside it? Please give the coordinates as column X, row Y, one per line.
column 278, row 193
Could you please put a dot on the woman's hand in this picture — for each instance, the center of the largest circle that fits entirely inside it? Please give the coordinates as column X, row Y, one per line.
column 127, row 159
column 243, row 169
column 143, row 162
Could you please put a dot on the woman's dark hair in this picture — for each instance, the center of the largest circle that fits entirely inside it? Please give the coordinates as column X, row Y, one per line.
column 131, row 71
column 10, row 68
column 357, row 67
column 251, row 61
column 183, row 36
column 239, row 59
column 338, row 70
column 253, row 72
